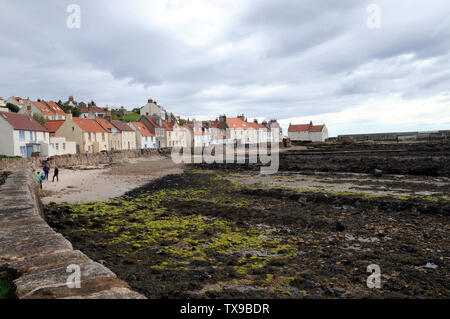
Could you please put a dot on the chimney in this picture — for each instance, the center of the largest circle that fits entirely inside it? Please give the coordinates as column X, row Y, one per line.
column 150, row 101
column 255, row 121
column 242, row 117
column 222, row 118
column 29, row 109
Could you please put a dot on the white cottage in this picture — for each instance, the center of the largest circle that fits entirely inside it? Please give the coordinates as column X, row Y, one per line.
column 308, row 132
column 144, row 138
column 22, row 135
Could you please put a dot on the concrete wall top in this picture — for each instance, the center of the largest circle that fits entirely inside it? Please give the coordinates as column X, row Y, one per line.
column 35, row 258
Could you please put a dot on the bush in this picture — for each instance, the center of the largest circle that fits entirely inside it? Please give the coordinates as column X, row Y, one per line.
column 13, row 108
column 76, row 112
column 39, row 118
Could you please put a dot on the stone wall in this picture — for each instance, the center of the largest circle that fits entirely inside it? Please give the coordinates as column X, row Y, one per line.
column 79, row 159
column 35, row 258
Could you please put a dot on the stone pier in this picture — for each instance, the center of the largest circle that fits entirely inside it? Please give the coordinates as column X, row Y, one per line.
column 35, row 258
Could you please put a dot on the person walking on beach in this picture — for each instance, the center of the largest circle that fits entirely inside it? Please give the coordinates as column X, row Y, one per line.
column 55, row 174
column 46, row 171
column 40, row 178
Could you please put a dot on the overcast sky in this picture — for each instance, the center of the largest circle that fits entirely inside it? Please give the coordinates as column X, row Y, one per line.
column 292, row 60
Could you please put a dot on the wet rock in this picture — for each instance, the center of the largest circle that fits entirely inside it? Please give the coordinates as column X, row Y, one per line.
column 430, row 266
column 339, row 226
column 377, row 173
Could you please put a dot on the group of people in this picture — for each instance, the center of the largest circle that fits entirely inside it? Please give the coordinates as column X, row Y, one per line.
column 44, row 176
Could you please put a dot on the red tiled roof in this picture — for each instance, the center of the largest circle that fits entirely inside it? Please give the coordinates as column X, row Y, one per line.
column 89, row 125
column 43, row 108
column 107, row 125
column 22, row 122
column 214, row 124
column 167, row 126
column 92, row 109
column 305, row 128
column 122, row 126
column 19, row 100
column 237, row 124
column 53, row 126
column 56, row 108
column 141, row 128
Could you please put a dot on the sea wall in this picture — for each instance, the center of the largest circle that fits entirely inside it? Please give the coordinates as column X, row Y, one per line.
column 80, row 159
column 35, row 258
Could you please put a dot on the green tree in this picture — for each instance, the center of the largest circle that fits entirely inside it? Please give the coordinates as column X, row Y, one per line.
column 13, row 108
column 137, row 110
column 76, row 112
column 39, row 118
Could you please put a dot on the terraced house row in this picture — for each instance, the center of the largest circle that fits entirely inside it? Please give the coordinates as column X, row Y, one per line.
column 43, row 128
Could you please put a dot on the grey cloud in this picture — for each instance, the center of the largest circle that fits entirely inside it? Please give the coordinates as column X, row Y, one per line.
column 319, row 52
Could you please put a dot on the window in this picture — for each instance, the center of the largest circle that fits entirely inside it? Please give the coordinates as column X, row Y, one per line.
column 103, row 137
column 73, row 128
column 31, row 136
column 89, row 136
column 57, row 146
column 63, row 146
column 22, row 136
column 23, row 151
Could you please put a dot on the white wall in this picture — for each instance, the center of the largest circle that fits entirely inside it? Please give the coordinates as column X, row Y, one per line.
column 42, row 138
column 60, row 146
column 6, row 140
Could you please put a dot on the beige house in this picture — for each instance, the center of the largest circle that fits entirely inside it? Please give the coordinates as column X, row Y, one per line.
column 89, row 136
column 128, row 135
column 115, row 135
column 176, row 135
column 153, row 109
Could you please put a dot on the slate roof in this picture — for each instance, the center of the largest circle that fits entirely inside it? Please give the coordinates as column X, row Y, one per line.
column 23, row 122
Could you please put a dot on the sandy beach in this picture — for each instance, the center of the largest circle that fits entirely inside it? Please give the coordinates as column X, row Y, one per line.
column 99, row 183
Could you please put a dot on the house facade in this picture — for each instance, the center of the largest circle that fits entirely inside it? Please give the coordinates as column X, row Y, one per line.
column 153, row 109
column 92, row 111
column 59, row 145
column 17, row 101
column 47, row 110
column 114, row 134
column 90, row 137
column 144, row 138
column 155, row 126
column 22, row 135
column 127, row 133
column 308, row 132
